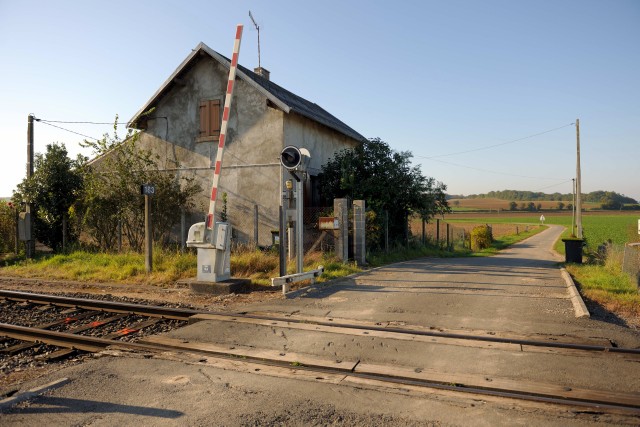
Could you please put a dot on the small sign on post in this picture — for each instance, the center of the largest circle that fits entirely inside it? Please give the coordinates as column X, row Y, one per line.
column 147, row 189
column 328, row 223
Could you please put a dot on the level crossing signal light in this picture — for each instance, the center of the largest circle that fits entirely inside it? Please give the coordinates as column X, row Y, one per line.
column 294, row 158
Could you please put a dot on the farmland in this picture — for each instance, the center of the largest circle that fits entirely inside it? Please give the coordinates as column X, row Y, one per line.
column 598, row 227
column 492, row 204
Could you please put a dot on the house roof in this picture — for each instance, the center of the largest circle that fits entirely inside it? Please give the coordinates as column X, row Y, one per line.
column 282, row 98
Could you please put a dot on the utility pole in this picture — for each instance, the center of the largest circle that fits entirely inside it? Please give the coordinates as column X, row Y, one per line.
column 573, row 207
column 30, row 242
column 578, row 184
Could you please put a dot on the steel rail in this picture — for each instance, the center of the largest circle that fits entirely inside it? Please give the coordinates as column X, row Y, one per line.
column 111, row 306
column 185, row 314
column 564, row 345
column 94, row 344
column 67, row 340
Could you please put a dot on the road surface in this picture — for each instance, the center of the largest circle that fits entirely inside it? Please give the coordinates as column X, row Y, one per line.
column 519, row 294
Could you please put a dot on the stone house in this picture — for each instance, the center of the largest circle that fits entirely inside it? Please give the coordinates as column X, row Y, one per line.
column 183, row 128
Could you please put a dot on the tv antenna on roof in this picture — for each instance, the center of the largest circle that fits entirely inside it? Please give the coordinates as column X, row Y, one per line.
column 257, row 28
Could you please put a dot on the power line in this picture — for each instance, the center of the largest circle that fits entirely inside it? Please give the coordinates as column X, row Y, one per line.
column 495, row 145
column 494, row 172
column 68, row 130
column 75, row 122
column 554, row 185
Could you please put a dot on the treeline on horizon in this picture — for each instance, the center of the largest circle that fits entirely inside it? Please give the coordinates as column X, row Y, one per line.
column 607, row 199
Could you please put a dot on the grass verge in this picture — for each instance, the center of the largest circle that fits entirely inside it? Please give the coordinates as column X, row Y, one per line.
column 170, row 266
column 608, row 286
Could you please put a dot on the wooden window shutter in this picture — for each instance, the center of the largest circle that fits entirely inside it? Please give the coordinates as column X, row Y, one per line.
column 214, row 118
column 210, row 120
column 204, row 119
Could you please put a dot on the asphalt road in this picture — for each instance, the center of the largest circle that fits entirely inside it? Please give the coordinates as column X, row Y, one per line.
column 519, row 293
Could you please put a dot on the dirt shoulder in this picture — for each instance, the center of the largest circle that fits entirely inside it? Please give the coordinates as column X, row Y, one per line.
column 174, row 294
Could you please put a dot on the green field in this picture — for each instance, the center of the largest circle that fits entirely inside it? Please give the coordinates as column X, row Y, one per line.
column 597, row 228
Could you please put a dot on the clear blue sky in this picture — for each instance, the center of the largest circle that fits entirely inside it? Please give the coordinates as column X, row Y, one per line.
column 430, row 77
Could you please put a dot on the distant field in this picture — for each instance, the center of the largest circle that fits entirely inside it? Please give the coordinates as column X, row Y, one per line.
column 598, row 227
column 497, row 204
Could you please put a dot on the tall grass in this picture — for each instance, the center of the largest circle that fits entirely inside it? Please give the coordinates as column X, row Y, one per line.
column 168, row 266
column 609, row 287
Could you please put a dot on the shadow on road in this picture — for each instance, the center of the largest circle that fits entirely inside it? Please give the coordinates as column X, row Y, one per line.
column 62, row 405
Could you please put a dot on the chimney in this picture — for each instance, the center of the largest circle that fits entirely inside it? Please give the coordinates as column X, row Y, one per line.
column 262, row 72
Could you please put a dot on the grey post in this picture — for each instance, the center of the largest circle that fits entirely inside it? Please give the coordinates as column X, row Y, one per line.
column 359, row 232
column 291, row 238
column 282, row 226
column 299, row 246
column 183, row 230
column 148, row 241
column 255, row 224
column 341, row 211
column 119, row 234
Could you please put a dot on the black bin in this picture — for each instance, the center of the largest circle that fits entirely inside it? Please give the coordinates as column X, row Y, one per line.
column 573, row 250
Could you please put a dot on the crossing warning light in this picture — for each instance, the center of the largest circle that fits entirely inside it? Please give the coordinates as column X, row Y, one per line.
column 294, row 158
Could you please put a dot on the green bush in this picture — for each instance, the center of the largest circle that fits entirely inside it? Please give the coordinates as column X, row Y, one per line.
column 481, row 237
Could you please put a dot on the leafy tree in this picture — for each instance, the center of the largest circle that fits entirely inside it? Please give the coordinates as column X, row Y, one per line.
column 52, row 190
column 7, row 226
column 513, row 206
column 386, row 180
column 113, row 192
column 560, row 206
column 611, row 200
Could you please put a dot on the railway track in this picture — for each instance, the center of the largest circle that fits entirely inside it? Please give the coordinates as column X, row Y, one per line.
column 392, row 377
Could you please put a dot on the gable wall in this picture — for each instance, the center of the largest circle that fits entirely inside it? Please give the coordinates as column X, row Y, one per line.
column 250, row 172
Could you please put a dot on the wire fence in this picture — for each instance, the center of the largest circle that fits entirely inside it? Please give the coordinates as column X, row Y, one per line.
column 631, row 261
column 259, row 227
column 8, row 225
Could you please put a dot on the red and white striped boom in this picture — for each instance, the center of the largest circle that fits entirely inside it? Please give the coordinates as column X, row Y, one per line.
column 223, row 128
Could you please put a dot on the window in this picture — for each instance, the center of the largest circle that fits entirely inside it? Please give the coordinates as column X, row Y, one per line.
column 209, row 120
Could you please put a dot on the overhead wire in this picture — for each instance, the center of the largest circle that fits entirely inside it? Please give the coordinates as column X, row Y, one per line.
column 76, row 122
column 487, row 147
column 65, row 129
column 553, row 185
column 436, row 158
column 432, row 158
column 495, row 172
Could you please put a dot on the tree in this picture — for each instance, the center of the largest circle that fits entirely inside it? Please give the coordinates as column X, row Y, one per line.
column 113, row 195
column 513, row 206
column 611, row 200
column 387, row 182
column 52, row 190
column 560, row 206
